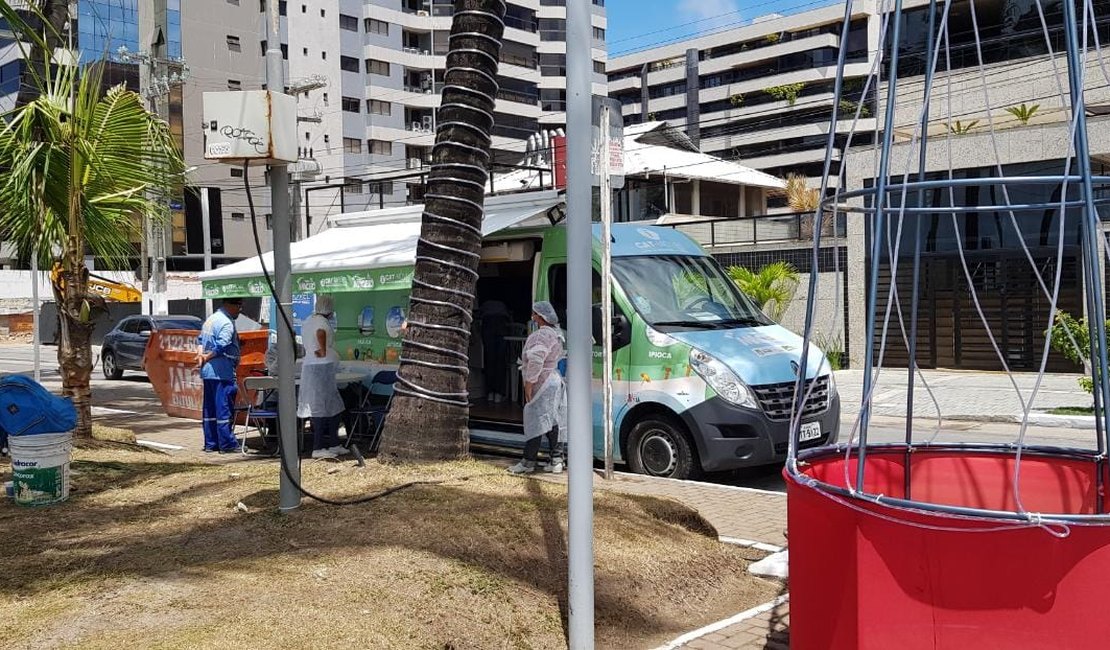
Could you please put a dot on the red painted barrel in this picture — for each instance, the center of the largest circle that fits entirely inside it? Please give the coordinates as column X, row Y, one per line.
column 871, row 576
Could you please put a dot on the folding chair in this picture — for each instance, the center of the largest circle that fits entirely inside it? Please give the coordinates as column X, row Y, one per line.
column 261, row 412
column 369, row 416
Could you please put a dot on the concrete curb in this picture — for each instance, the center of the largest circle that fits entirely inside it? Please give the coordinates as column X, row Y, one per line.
column 1045, row 420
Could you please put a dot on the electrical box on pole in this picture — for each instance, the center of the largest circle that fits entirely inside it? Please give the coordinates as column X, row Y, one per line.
column 254, row 126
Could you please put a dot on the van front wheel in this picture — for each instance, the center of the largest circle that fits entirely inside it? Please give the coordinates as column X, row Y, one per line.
column 657, row 447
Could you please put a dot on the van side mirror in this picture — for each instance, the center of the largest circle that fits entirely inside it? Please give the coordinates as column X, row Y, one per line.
column 622, row 329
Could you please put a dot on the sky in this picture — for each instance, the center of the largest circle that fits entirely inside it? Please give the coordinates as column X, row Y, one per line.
column 639, row 24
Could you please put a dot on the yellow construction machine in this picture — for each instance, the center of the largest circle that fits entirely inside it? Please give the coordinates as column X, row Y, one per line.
column 109, row 290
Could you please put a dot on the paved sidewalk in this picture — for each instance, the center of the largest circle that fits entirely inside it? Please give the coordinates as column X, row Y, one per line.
column 962, row 395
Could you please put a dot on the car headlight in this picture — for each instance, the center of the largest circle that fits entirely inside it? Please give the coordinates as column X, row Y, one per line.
column 722, row 379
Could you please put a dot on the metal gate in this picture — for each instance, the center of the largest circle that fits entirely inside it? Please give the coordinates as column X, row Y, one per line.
column 951, row 333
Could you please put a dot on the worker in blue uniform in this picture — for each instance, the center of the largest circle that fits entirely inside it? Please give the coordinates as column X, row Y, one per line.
column 218, row 361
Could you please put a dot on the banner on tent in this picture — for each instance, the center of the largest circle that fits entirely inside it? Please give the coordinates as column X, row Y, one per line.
column 344, row 281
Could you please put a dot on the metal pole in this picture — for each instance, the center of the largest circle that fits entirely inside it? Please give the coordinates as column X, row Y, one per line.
column 206, row 234
column 877, row 244
column 1091, row 222
column 289, row 495
column 298, row 227
column 580, row 555
column 606, row 201
column 922, row 155
column 35, row 312
column 161, row 106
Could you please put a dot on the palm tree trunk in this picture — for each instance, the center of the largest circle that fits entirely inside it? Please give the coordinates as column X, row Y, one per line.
column 77, row 314
column 428, row 418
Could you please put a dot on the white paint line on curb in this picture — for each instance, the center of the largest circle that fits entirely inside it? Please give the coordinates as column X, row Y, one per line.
column 728, row 622
column 159, row 445
column 104, row 410
column 750, row 543
column 734, row 488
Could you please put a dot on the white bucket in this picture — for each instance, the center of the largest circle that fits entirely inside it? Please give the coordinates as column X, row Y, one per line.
column 40, row 468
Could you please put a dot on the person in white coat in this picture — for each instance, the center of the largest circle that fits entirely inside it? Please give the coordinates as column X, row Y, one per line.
column 545, row 393
column 319, row 400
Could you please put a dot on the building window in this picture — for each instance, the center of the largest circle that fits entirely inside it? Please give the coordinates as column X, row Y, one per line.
column 324, row 55
column 351, row 104
column 233, row 2
column 233, row 44
column 352, row 186
column 374, row 66
column 234, row 84
column 325, row 99
column 284, row 51
column 269, row 221
column 236, row 172
column 348, row 63
column 304, row 51
column 349, row 23
column 599, row 67
column 378, row 107
column 373, row 26
column 352, row 145
column 304, row 9
column 381, row 187
column 599, row 34
column 323, row 13
column 238, row 216
column 380, row 147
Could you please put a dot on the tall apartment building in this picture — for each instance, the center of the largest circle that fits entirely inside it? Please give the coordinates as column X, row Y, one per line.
column 384, row 63
column 761, row 94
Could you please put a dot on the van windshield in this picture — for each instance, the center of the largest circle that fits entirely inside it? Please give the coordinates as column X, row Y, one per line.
column 679, row 291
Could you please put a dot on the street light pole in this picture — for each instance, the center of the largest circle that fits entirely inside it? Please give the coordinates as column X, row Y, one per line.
column 289, row 494
column 580, row 547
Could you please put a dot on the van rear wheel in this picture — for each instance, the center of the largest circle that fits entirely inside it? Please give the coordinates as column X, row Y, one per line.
column 659, row 447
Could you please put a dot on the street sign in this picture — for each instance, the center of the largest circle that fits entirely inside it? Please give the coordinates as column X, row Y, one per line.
column 616, row 142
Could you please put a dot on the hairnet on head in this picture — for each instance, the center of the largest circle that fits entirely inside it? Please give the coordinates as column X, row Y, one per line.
column 325, row 304
column 546, row 311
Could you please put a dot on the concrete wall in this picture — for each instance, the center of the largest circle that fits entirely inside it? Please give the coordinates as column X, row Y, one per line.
column 829, row 316
column 16, row 288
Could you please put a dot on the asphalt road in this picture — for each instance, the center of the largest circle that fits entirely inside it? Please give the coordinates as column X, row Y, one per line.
column 134, row 395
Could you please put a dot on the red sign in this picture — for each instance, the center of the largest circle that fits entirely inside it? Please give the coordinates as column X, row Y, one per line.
column 559, row 144
column 171, row 364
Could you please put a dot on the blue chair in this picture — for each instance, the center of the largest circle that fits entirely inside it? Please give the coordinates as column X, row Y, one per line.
column 369, row 417
column 261, row 413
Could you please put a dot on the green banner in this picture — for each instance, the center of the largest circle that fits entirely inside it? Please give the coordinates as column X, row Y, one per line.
column 345, row 281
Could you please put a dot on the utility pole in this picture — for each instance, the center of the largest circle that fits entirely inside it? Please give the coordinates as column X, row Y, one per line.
column 289, row 494
column 206, row 225
column 158, row 75
column 606, row 201
column 580, row 546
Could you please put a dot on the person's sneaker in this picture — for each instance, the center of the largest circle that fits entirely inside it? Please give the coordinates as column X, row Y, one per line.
column 523, row 467
column 554, row 467
column 339, row 450
column 324, row 454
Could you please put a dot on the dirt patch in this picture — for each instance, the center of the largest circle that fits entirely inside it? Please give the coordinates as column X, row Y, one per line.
column 154, row 552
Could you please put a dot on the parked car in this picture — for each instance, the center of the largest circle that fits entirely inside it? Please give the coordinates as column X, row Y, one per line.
column 125, row 345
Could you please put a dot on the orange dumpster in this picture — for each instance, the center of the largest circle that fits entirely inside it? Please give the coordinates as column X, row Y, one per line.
column 171, row 363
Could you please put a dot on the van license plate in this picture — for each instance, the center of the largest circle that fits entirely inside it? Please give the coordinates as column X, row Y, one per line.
column 810, row 431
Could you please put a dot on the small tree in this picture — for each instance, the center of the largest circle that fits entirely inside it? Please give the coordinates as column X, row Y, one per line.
column 1023, row 113
column 737, row 100
column 848, row 107
column 788, row 92
column 959, row 128
column 1072, row 338
column 772, row 287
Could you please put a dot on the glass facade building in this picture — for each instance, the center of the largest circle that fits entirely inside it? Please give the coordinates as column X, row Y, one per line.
column 103, row 26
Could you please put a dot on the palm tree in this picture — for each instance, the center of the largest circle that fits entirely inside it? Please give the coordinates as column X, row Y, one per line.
column 428, row 419
column 803, row 199
column 772, row 287
column 80, row 166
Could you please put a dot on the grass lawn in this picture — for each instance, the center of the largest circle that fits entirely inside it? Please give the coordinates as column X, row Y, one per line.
column 151, row 551
column 1073, row 410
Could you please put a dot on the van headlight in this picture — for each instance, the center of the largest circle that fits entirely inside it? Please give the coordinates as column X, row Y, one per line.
column 722, row 379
